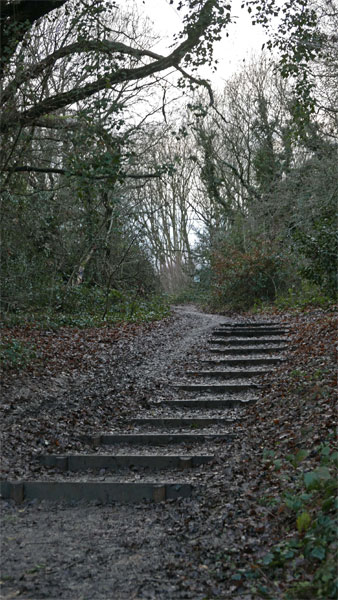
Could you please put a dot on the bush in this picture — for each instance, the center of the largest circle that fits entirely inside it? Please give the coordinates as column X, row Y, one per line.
column 319, row 245
column 306, row 294
column 243, row 279
column 194, row 294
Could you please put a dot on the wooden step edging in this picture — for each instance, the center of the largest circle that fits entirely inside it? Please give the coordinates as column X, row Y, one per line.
column 211, row 404
column 248, row 350
column 155, row 439
column 267, row 328
column 246, row 362
column 216, row 388
column 246, row 342
column 102, row 491
column 252, row 324
column 248, row 333
column 227, row 374
column 81, row 462
column 182, row 422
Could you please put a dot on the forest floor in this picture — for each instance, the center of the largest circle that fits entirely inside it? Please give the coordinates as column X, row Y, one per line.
column 218, row 544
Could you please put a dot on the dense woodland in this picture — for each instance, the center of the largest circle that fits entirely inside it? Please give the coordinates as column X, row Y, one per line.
column 125, row 176
column 128, row 183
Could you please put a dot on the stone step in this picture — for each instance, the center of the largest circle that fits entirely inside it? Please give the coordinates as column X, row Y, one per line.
column 244, row 374
column 101, row 491
column 209, row 404
column 243, row 361
column 246, row 342
column 217, row 388
column 83, row 462
column 183, row 422
column 154, row 439
column 247, row 350
column 248, row 332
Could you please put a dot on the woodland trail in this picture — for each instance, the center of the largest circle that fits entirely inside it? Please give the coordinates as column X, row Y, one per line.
column 144, row 447
column 160, row 549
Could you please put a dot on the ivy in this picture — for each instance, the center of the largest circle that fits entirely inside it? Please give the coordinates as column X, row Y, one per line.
column 298, row 41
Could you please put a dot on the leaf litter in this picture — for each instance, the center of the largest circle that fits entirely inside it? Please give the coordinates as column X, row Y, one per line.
column 209, row 546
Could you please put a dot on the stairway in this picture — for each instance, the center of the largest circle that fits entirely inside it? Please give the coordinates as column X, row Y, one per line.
column 153, row 457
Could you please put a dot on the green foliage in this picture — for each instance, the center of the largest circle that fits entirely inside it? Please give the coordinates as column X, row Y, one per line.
column 196, row 289
column 305, row 295
column 194, row 293
column 296, row 459
column 190, row 295
column 137, row 310
column 303, row 521
column 310, row 555
column 15, row 354
column 245, row 278
column 85, row 306
column 320, row 247
column 41, row 261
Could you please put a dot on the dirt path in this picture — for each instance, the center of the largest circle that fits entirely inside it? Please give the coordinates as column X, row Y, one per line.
column 46, row 412
column 159, row 551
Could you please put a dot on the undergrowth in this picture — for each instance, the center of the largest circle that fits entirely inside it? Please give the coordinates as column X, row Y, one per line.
column 242, row 279
column 89, row 311
column 85, row 314
column 15, row 353
column 299, row 298
column 306, row 294
column 195, row 294
column 306, row 557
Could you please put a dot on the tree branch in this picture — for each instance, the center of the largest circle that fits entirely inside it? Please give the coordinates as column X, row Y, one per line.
column 16, row 18
column 32, row 169
column 56, row 122
column 161, row 63
column 104, row 46
column 241, row 179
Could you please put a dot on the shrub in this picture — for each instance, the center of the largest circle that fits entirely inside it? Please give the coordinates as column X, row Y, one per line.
column 319, row 245
column 306, row 294
column 244, row 278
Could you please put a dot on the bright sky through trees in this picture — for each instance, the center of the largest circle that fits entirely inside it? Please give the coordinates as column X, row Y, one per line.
column 244, row 39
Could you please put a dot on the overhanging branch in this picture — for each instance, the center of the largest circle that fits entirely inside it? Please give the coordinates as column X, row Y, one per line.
column 161, row 63
column 104, row 46
column 15, row 20
column 120, row 175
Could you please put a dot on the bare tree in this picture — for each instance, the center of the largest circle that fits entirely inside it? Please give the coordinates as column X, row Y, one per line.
column 121, row 61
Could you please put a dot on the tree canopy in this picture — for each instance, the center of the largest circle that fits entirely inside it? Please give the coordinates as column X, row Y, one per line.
column 116, row 158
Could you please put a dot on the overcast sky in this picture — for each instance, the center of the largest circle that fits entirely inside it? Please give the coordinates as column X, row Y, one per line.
column 244, row 39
